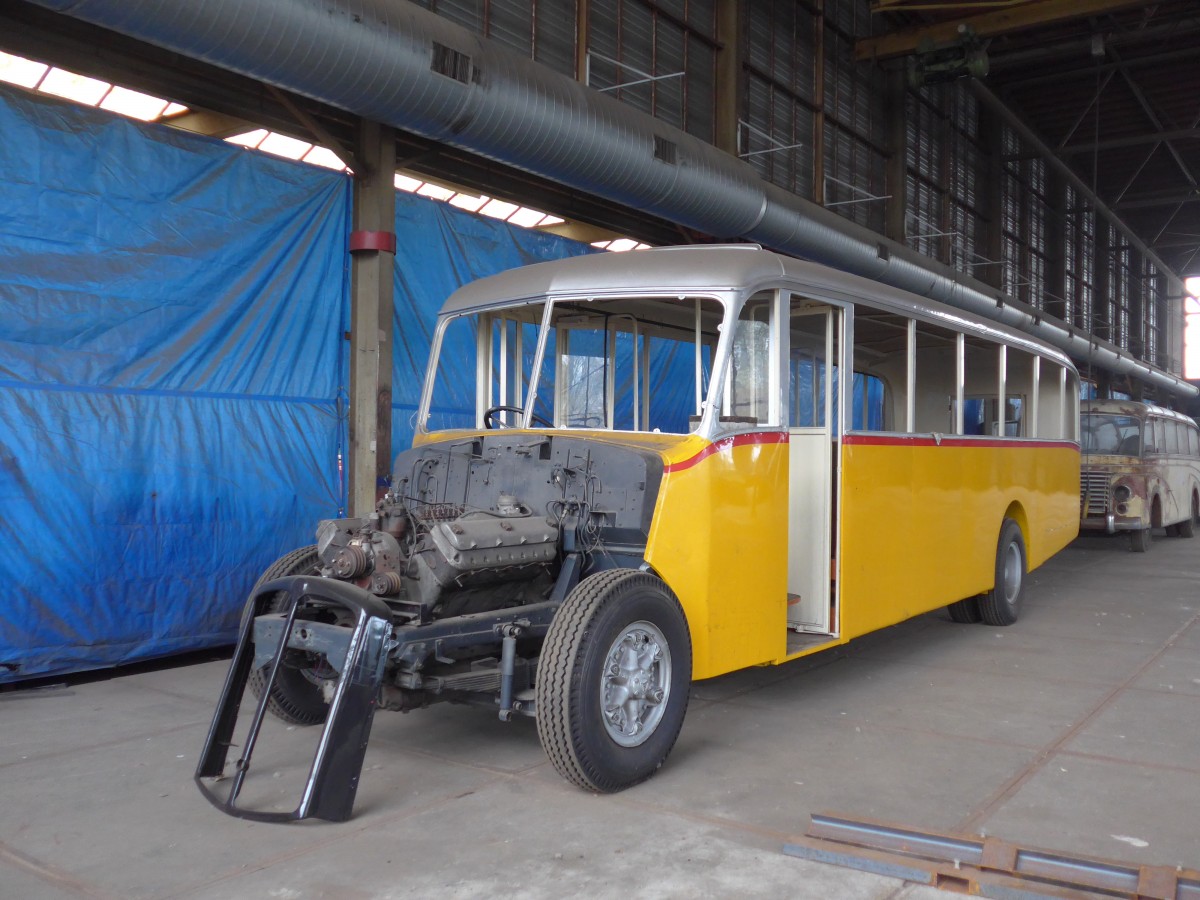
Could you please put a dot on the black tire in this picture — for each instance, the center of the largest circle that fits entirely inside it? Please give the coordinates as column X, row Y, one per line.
column 1187, row 528
column 295, row 697
column 965, row 612
column 606, row 612
column 1002, row 604
column 1172, row 530
column 1139, row 541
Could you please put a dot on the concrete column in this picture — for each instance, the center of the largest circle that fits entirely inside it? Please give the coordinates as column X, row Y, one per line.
column 373, row 248
column 896, row 208
column 729, row 76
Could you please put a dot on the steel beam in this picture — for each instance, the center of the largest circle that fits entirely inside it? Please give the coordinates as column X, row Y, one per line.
column 991, row 101
column 1134, row 140
column 1172, row 199
column 985, row 25
column 1154, row 118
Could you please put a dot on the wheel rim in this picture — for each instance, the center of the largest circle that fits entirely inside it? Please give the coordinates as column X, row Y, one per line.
column 635, row 684
column 1012, row 573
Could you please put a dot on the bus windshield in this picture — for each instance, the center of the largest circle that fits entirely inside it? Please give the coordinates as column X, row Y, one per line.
column 1117, row 435
column 627, row 364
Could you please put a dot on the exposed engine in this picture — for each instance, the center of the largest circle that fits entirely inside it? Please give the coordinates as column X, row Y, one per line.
column 483, row 524
column 442, row 561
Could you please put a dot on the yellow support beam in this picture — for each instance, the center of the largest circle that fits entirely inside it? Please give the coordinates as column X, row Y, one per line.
column 1004, row 21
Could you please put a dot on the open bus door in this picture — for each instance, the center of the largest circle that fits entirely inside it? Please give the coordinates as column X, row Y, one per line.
column 815, row 338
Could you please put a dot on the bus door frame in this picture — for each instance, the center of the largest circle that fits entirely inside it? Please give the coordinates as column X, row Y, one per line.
column 814, row 471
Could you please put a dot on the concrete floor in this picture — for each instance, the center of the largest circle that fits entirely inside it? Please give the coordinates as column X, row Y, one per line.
column 1076, row 729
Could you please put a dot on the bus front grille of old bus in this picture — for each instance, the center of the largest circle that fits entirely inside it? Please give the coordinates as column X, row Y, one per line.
column 1093, row 493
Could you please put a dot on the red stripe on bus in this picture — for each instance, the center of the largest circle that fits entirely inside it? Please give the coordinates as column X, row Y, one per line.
column 905, row 440
column 738, row 440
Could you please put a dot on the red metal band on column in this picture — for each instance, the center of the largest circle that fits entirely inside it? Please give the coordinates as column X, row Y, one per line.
column 361, row 241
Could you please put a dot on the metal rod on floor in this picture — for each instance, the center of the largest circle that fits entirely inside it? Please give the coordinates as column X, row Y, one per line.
column 984, row 865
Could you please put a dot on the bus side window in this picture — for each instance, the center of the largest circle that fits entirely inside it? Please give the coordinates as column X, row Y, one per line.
column 1058, row 402
column 868, row 403
column 880, row 370
column 1153, row 436
column 1193, row 441
column 748, row 390
column 936, row 379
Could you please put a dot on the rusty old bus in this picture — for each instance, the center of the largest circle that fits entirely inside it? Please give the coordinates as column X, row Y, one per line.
column 1140, row 470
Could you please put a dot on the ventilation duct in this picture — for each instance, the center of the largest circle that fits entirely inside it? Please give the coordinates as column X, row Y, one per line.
column 395, row 63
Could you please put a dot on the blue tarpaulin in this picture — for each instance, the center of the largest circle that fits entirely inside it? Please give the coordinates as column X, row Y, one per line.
column 171, row 311
column 172, row 372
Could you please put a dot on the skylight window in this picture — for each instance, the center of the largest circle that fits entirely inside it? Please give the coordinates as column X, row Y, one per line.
column 435, row 191
column 526, row 217
column 499, row 209
column 282, row 145
column 620, row 245
column 20, row 71
column 514, row 214
column 80, row 88
column 468, row 202
column 85, row 91
column 249, row 138
column 133, row 104
column 322, row 156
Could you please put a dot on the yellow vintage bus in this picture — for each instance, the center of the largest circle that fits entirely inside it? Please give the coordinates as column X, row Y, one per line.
column 634, row 471
column 1140, row 470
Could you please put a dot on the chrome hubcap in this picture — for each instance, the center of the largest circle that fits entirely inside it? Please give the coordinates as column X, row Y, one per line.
column 1012, row 573
column 635, row 683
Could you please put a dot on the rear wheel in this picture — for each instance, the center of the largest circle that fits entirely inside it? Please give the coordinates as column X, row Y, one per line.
column 1187, row 528
column 613, row 680
column 965, row 612
column 297, row 695
column 1002, row 604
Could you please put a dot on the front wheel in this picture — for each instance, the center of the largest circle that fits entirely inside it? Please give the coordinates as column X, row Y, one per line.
column 1002, row 604
column 1139, row 541
column 613, row 680
column 296, row 694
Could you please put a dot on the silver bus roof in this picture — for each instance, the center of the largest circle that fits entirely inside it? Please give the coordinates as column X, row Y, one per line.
column 719, row 268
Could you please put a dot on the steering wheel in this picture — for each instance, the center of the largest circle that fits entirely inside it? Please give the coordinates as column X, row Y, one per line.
column 489, row 422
